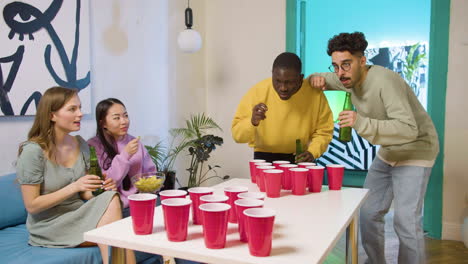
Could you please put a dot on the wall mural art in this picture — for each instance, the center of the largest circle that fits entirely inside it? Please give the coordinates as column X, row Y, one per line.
column 411, row 63
column 44, row 44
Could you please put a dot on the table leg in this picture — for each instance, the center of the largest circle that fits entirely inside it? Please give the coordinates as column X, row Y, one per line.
column 352, row 241
column 117, row 255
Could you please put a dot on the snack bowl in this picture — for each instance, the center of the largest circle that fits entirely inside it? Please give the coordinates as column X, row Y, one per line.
column 149, row 182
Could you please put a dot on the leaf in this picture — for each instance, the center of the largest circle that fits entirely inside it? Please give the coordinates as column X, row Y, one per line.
column 157, row 154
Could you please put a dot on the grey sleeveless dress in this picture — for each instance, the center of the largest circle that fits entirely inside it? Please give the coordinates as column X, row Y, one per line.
column 64, row 224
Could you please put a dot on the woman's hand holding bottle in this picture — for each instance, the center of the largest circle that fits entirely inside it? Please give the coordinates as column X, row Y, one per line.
column 109, row 184
column 87, row 183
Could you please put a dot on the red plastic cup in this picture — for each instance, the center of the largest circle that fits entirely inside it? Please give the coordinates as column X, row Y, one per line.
column 315, row 178
column 195, row 194
column 305, row 164
column 166, row 194
column 261, row 176
column 176, row 216
column 241, row 205
column 142, row 212
column 277, row 163
column 232, row 192
column 335, row 174
column 253, row 175
column 260, row 223
column 257, row 171
column 299, row 180
column 286, row 181
column 213, row 198
column 215, row 222
column 251, row 195
column 273, row 182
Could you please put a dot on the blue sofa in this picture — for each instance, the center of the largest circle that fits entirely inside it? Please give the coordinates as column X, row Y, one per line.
column 14, row 236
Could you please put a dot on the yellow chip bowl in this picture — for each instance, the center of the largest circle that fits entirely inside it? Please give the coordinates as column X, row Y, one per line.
column 151, row 183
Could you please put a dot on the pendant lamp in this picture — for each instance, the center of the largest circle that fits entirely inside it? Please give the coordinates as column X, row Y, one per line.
column 189, row 40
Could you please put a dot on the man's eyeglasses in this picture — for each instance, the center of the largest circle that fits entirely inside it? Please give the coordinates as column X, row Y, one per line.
column 346, row 66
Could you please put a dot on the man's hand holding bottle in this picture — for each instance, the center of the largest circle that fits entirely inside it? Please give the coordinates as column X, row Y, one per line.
column 305, row 157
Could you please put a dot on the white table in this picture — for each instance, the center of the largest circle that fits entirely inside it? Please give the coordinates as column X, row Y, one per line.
column 306, row 229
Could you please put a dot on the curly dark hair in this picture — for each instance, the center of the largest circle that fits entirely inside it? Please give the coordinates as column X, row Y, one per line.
column 353, row 42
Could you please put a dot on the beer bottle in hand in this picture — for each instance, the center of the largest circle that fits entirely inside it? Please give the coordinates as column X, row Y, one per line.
column 345, row 132
column 94, row 168
column 298, row 148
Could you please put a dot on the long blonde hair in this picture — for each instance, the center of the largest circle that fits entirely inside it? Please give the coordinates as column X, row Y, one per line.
column 42, row 131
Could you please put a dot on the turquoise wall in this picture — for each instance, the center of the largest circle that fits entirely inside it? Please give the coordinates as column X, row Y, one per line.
column 396, row 21
column 393, row 21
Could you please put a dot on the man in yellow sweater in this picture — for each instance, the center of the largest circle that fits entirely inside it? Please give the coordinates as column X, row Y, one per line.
column 278, row 110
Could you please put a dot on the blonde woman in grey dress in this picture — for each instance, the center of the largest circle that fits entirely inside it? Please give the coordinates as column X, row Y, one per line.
column 51, row 169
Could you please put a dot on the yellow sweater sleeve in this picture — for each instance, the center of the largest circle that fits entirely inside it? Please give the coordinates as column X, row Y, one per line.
column 323, row 134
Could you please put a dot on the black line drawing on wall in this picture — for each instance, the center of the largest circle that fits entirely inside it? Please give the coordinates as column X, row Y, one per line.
column 49, row 31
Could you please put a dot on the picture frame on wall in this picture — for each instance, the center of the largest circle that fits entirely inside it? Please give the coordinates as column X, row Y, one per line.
column 44, row 44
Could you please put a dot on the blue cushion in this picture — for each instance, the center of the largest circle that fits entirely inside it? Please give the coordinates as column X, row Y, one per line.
column 12, row 208
column 14, row 248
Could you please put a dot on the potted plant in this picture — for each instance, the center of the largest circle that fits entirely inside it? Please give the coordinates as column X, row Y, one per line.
column 199, row 144
column 164, row 158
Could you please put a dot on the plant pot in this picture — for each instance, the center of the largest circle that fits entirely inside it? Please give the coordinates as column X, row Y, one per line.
column 169, row 182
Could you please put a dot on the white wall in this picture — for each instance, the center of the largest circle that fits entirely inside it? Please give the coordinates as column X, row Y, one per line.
column 129, row 61
column 455, row 198
column 243, row 38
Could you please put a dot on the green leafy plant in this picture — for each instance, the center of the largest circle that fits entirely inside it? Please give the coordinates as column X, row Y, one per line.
column 411, row 65
column 199, row 144
column 164, row 158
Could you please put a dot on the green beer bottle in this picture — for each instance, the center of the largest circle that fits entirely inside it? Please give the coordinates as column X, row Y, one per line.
column 94, row 168
column 345, row 132
column 298, row 148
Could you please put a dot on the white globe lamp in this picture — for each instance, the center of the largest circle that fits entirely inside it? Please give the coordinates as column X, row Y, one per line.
column 189, row 40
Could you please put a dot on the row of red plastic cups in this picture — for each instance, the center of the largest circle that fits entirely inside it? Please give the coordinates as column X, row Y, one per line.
column 277, row 163
column 197, row 192
column 294, row 177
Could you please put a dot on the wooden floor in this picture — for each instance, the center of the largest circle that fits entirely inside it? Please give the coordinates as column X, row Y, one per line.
column 446, row 252
column 437, row 251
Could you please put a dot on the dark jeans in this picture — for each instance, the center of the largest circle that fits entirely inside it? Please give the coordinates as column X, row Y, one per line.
column 270, row 157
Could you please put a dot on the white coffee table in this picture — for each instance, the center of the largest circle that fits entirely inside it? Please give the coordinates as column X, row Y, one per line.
column 306, row 229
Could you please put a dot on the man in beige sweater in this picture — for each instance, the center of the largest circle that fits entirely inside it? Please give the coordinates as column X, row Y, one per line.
column 387, row 114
